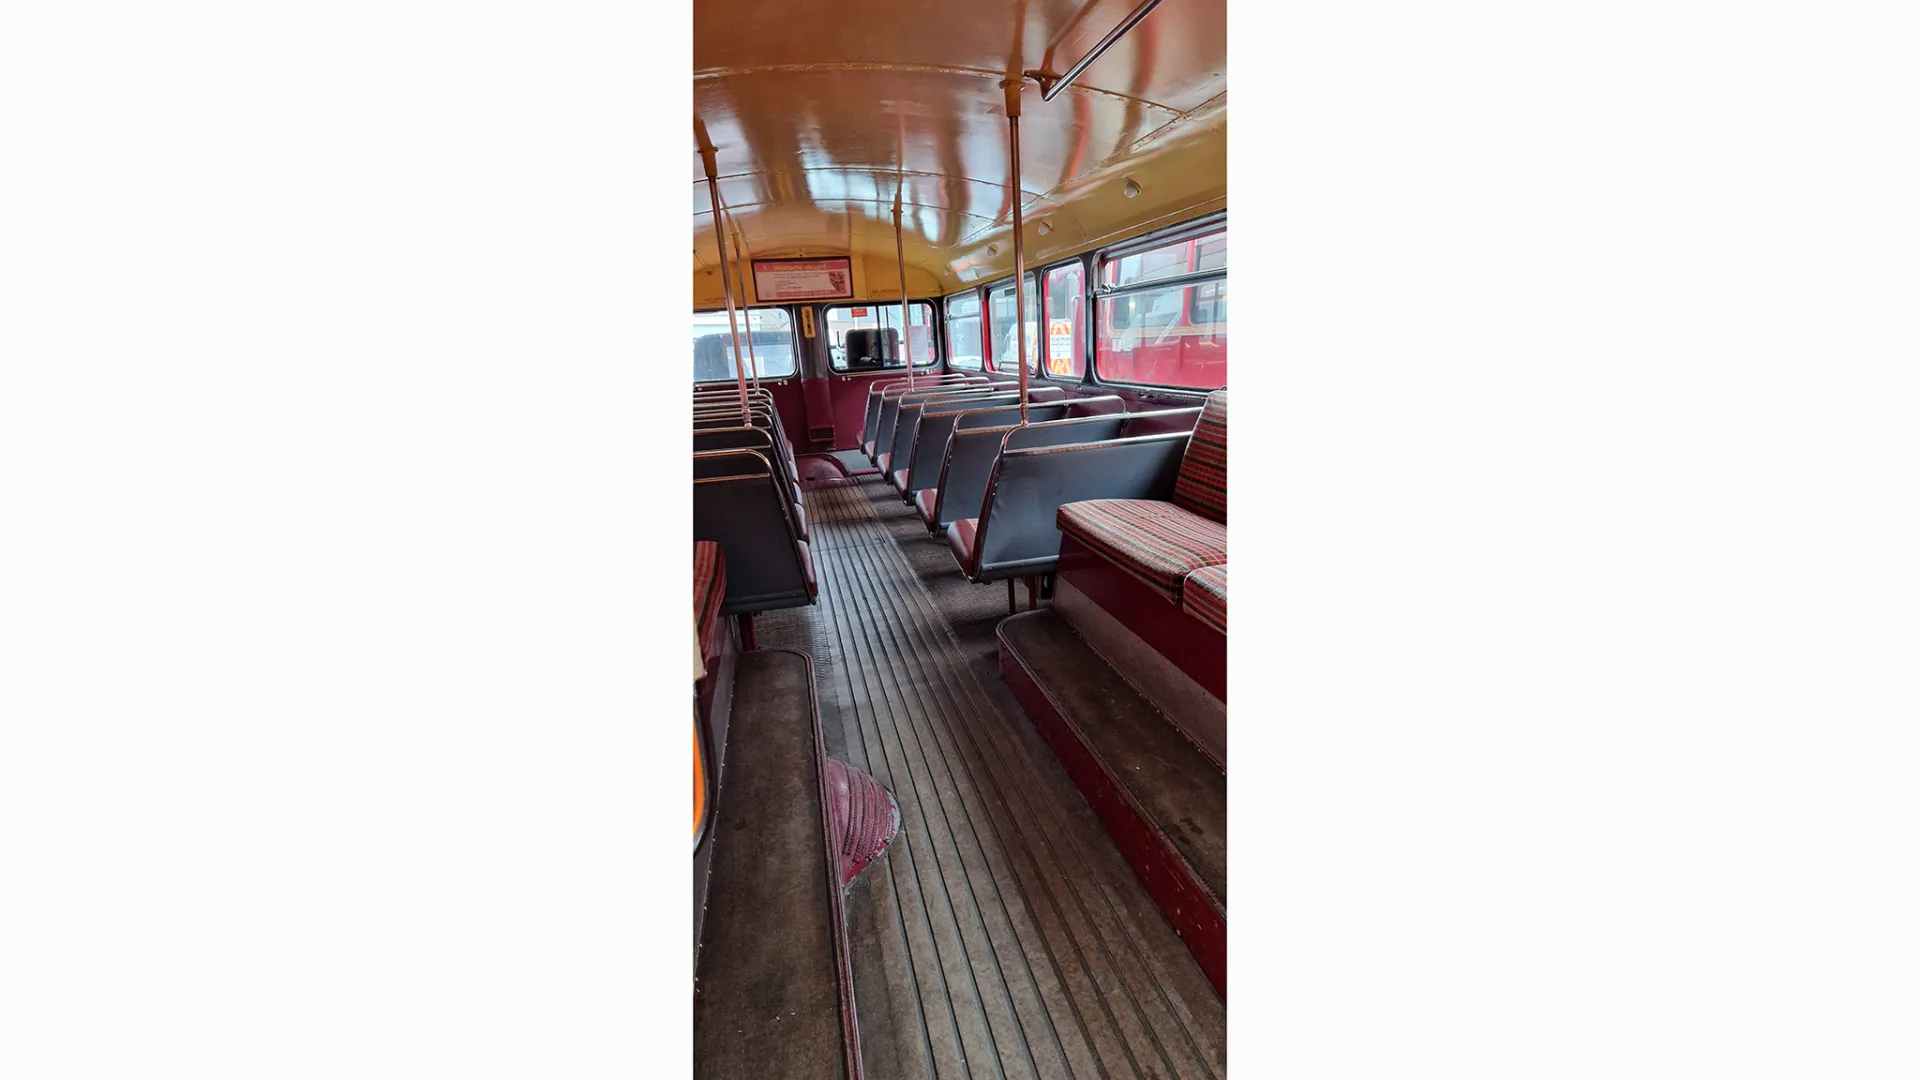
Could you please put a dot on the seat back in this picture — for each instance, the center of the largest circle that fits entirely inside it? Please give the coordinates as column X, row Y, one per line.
column 733, row 438
column 732, row 393
column 888, row 443
column 1162, row 421
column 1018, row 534
column 1072, row 429
column 758, row 415
column 938, row 420
column 1202, row 487
column 728, row 404
column 739, row 505
column 869, row 431
column 764, row 419
column 1059, row 407
column 972, row 452
column 750, row 438
column 906, row 426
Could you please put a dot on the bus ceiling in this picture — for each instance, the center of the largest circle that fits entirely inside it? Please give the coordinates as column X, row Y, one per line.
column 812, row 138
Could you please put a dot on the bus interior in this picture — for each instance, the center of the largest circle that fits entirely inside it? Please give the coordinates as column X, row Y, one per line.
column 960, row 546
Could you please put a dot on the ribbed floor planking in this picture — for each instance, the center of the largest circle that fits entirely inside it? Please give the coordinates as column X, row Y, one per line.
column 1002, row 935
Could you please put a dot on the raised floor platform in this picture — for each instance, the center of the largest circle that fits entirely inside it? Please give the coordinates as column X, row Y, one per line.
column 1163, row 801
column 772, row 988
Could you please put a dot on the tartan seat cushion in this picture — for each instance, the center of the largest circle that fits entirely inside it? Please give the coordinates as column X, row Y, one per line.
column 709, row 587
column 1202, row 484
column 1205, row 596
column 1157, row 542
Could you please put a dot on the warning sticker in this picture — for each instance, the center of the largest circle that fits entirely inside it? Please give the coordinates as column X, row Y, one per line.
column 1059, row 339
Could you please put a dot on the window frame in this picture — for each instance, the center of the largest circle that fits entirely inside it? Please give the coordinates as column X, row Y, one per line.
column 935, row 334
column 986, row 314
column 1186, row 231
column 793, row 330
column 1091, row 294
column 946, row 306
column 1046, row 317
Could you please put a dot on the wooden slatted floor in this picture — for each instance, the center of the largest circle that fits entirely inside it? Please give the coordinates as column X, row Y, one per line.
column 1002, row 935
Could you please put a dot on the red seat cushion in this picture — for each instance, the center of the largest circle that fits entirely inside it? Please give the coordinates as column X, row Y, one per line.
column 1205, row 596
column 900, row 480
column 927, row 499
column 1202, row 484
column 1157, row 542
column 806, row 563
column 886, row 463
column 709, row 588
column 960, row 537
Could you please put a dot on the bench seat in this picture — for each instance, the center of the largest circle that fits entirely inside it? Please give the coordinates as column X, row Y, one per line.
column 709, row 591
column 1157, row 542
column 1205, row 596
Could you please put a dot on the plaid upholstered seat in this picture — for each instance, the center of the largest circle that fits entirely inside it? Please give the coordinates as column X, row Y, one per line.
column 1161, row 543
column 709, row 587
column 1205, row 596
column 1202, row 484
column 1157, row 542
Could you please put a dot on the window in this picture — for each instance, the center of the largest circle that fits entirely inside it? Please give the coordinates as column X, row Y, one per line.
column 1209, row 304
column 963, row 332
column 771, row 331
column 1210, row 300
column 1168, row 335
column 1065, row 359
column 884, row 317
column 1001, row 315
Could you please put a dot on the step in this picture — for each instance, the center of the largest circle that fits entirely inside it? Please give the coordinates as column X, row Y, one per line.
column 1161, row 799
column 773, row 988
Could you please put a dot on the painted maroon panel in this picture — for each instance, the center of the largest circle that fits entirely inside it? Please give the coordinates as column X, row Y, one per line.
column 849, row 397
column 1192, row 646
column 791, row 401
column 819, row 401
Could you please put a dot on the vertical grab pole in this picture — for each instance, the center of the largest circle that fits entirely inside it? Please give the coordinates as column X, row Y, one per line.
column 900, row 255
column 726, row 283
column 1013, row 85
column 740, row 265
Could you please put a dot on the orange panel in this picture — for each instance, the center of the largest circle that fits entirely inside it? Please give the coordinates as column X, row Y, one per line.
column 699, row 781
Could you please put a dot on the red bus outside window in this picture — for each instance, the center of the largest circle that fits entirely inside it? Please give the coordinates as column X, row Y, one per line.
column 1173, row 335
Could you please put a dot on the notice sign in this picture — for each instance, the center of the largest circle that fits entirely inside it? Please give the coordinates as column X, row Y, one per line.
column 802, row 279
column 1059, row 339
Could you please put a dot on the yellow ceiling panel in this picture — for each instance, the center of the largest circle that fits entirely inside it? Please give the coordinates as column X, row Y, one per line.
column 818, row 112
